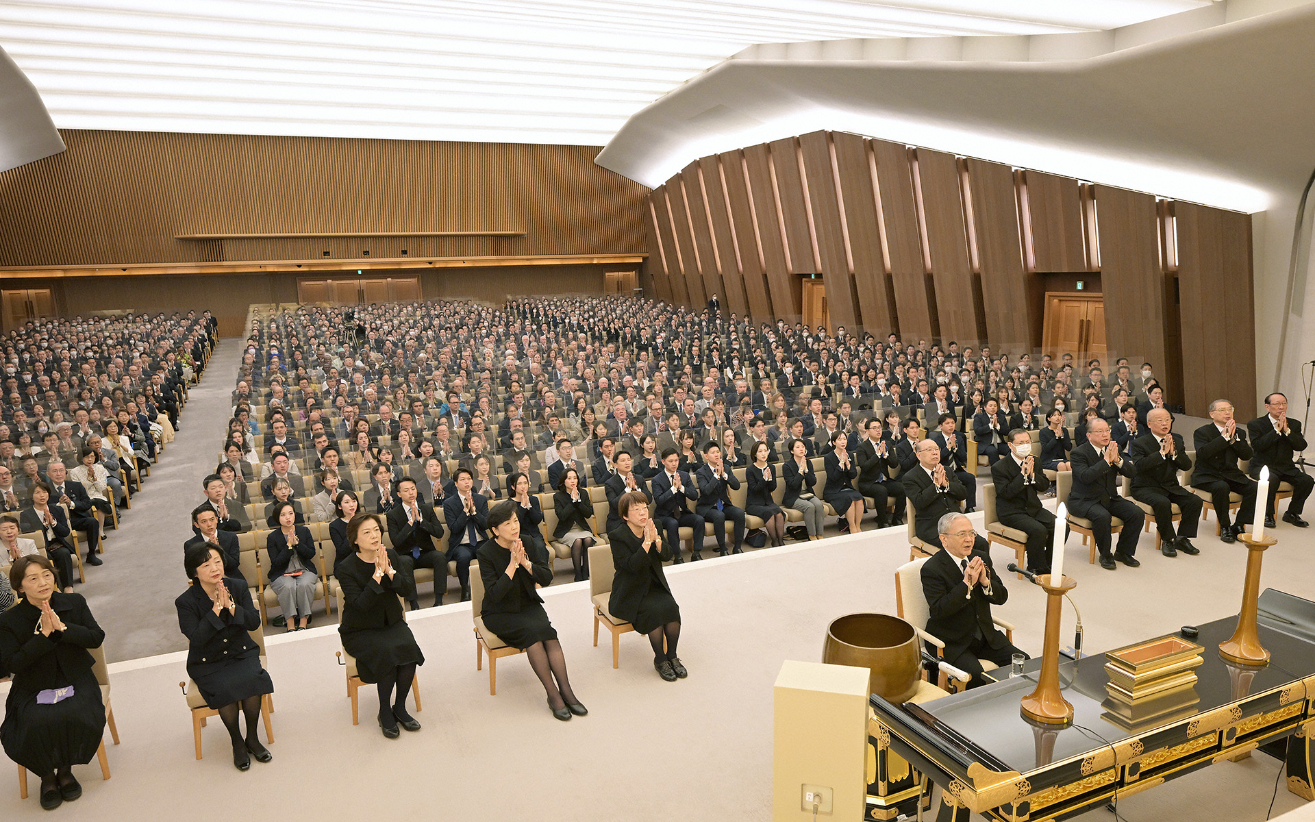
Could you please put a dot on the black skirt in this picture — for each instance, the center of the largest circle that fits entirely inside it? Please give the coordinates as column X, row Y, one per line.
column 843, row 498
column 379, row 651
column 233, row 680
column 43, row 738
column 762, row 511
column 657, row 608
column 524, row 629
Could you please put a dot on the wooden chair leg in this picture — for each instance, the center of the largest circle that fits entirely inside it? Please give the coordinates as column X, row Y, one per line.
column 479, row 655
column 415, row 691
column 22, row 782
column 104, row 761
column 493, row 675
column 109, row 719
column 616, row 650
column 266, row 708
column 196, row 731
column 351, row 692
column 595, row 630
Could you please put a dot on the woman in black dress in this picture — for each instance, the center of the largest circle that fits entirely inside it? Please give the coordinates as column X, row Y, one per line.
column 640, row 593
column 346, row 505
column 43, row 642
column 527, row 508
column 513, row 610
column 373, row 629
column 216, row 615
column 758, row 501
column 732, row 456
column 839, row 490
column 1055, row 442
column 573, row 512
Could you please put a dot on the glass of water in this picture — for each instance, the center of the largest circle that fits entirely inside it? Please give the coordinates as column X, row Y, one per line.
column 1016, row 667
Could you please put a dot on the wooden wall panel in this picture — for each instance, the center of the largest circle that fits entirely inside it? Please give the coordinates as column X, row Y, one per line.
column 821, row 178
column 689, row 256
column 723, row 237
column 782, row 286
column 1217, row 309
column 1132, row 279
column 696, row 206
column 793, row 197
column 1005, row 298
column 656, row 265
column 676, row 291
column 859, row 197
column 121, row 197
column 903, row 240
column 753, row 265
column 947, row 243
column 1055, row 210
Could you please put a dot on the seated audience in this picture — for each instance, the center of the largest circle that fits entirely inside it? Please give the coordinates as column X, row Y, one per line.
column 1219, row 445
column 839, row 491
column 799, row 494
column 640, row 593
column 346, row 506
column 934, row 493
column 1018, row 482
column 1097, row 465
column 673, row 491
column 206, row 531
column 416, row 533
column 715, row 483
column 466, row 513
column 574, row 510
column 1157, row 457
column 291, row 552
column 762, row 481
column 49, row 519
column 954, row 456
column 1274, row 439
column 67, row 492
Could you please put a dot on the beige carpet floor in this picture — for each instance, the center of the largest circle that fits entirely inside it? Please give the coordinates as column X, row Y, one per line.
column 698, row 749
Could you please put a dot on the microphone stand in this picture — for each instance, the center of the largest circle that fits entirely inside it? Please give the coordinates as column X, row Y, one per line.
column 1307, row 378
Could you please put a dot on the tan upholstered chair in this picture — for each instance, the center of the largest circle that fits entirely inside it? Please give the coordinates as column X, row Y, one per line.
column 1146, row 509
column 740, row 495
column 201, row 712
column 997, row 532
column 601, row 574
column 1207, row 501
column 267, row 595
column 103, row 679
column 353, row 679
column 485, row 640
column 39, row 537
column 1063, row 485
column 917, row 548
column 778, row 497
column 911, row 606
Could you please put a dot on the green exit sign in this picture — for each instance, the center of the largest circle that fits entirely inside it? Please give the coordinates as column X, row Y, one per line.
column 1081, row 285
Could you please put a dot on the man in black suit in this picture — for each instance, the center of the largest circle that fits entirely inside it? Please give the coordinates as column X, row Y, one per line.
column 1097, row 465
column 672, row 492
column 71, row 493
column 414, row 530
column 1154, row 399
column 1274, row 438
column 934, row 493
column 625, row 480
column 961, row 585
column 605, row 466
column 874, row 456
column 1219, row 445
column 1017, row 484
column 467, row 515
column 1158, row 455
column 205, row 528
column 1126, row 429
column 906, row 448
column 989, row 428
column 231, row 517
column 954, row 456
column 714, row 504
column 279, row 466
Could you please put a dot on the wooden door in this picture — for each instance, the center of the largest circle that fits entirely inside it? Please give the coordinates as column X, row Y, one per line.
column 21, row 305
column 815, row 311
column 1074, row 324
column 314, row 291
column 345, row 292
column 404, row 289
column 374, row 291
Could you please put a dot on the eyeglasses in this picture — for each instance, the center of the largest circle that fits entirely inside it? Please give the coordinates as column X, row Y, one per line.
column 962, row 534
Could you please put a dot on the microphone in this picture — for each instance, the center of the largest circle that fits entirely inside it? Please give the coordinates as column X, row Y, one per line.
column 1028, row 575
column 946, row 668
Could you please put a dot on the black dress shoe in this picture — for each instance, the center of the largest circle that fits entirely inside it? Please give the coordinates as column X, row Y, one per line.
column 679, row 669
column 721, row 552
column 241, row 759
column 407, row 721
column 259, row 752
column 70, row 790
column 1185, row 545
column 1295, row 519
column 465, row 593
column 695, row 557
column 577, row 709
column 1107, row 563
column 737, row 550
column 391, row 731
column 563, row 713
column 678, row 559
column 665, row 670
column 1270, row 523
column 1166, row 548
column 51, row 798
column 1130, row 561
column 1228, row 534
column 94, row 559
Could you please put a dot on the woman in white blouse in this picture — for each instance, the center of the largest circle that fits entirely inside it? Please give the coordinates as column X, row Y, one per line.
column 11, row 545
column 94, row 478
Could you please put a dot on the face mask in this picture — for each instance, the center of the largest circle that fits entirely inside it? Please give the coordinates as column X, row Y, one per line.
column 1146, row 374
column 1024, row 450
column 1059, row 406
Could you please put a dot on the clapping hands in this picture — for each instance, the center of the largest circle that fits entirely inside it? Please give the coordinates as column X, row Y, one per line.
column 50, row 622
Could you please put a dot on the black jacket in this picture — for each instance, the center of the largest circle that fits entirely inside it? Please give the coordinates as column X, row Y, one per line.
column 1151, row 469
column 503, row 595
column 615, row 488
column 280, row 554
column 422, row 536
column 30, row 522
column 838, row 479
column 215, row 638
column 636, row 571
column 958, row 460
column 1013, row 494
column 760, row 490
column 872, row 466
column 39, row 662
column 1094, row 479
column 713, row 488
column 369, row 605
column 1270, row 448
column 930, row 503
column 953, row 613
column 669, row 502
column 571, row 515
column 797, row 482
column 1216, row 457
column 457, row 521
column 228, row 547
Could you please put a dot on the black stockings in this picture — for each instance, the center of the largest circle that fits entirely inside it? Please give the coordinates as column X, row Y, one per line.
column 250, row 708
column 402, row 677
column 549, row 663
column 580, row 557
column 776, row 530
column 664, row 639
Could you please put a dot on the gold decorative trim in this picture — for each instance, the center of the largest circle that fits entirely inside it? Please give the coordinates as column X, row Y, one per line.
column 883, row 737
column 953, row 796
column 1060, row 793
column 1234, row 754
column 1136, row 747
column 1214, row 721
column 1289, row 694
column 1261, row 720
column 1024, row 788
column 1133, row 790
column 1154, row 758
column 1088, row 765
column 1300, row 787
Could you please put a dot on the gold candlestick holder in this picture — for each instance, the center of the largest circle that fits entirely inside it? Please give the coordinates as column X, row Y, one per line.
column 1046, row 704
column 1244, row 647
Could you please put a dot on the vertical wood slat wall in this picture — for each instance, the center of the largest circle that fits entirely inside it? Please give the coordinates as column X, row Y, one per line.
column 121, row 197
column 899, row 252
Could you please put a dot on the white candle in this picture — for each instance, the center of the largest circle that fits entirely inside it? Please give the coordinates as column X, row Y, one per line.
column 1262, row 497
column 1057, row 547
